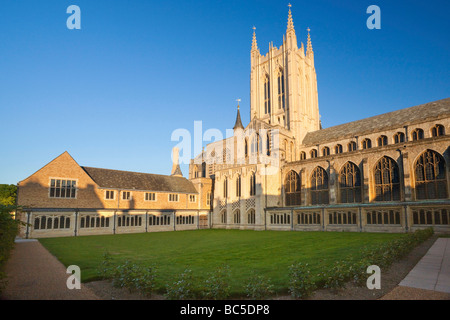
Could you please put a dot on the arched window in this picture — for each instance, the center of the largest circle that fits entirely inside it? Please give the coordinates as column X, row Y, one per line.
column 195, row 171
column 387, row 180
column 223, row 216
column 338, row 149
column 280, row 80
column 326, row 151
column 203, row 169
column 319, row 186
column 292, row 189
column 225, row 188
column 252, row 184
column 350, row 183
column 351, row 146
column 246, row 147
column 268, row 149
column 417, row 134
column 266, row 95
column 313, row 153
column 431, row 181
column 437, row 130
column 302, row 155
column 36, row 223
column 255, row 144
column 237, row 217
column 251, row 217
column 382, row 141
column 367, row 144
column 238, row 186
column 399, row 137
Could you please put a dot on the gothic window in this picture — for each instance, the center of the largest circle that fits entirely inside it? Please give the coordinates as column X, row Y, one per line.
column 280, row 79
column 350, row 183
column 252, row 184
column 237, row 217
column 387, row 180
column 437, row 130
column 267, row 95
column 399, row 137
column 225, row 188
column 338, row 149
column 255, row 144
column 313, row 153
column 342, row 217
column 367, row 144
column 326, row 151
column 382, row 141
column 195, row 171
column 351, row 146
column 223, row 216
column 268, row 144
column 319, row 186
column 302, row 155
column 203, row 169
column 381, row 216
column 238, row 186
column 292, row 189
column 246, row 147
column 431, row 181
column 417, row 134
column 251, row 217
column 431, row 216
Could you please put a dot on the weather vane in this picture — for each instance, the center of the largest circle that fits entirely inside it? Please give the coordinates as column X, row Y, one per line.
column 238, row 100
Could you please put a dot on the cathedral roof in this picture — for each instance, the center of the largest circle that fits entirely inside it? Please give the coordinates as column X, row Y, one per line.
column 386, row 121
column 116, row 179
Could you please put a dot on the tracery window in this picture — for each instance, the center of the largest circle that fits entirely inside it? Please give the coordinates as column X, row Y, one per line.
column 338, row 149
column 367, row 144
column 437, row 130
column 326, row 151
column 251, row 217
column 417, row 134
column 382, row 141
column 351, row 146
column 237, row 217
column 252, row 184
column 350, row 183
column 319, row 186
column 302, row 155
column 399, row 137
column 387, row 180
column 223, row 216
column 431, row 181
column 292, row 189
column 238, row 186
column 313, row 153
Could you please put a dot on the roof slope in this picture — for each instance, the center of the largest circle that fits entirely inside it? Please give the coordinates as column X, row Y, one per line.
column 116, row 179
column 384, row 121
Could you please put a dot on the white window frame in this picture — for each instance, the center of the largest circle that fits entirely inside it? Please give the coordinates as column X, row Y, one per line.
column 149, row 193
column 67, row 198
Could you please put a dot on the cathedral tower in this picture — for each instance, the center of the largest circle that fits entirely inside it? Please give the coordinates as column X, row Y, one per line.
column 283, row 85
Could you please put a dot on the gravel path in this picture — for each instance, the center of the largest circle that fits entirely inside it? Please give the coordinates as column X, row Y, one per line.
column 35, row 274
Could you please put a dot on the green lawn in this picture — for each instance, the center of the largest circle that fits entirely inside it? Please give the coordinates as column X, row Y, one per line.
column 269, row 253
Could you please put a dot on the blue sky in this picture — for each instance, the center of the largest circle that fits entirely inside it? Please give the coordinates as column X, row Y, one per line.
column 112, row 93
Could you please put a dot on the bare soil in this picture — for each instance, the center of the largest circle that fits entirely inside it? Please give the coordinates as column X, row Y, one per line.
column 389, row 285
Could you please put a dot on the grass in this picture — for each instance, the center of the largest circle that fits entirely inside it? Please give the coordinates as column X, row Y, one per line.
column 268, row 253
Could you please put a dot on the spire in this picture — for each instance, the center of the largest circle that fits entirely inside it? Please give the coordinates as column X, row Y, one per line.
column 290, row 24
column 254, row 44
column 309, row 49
column 238, row 123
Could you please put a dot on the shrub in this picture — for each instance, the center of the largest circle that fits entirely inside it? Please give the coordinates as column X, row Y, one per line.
column 128, row 275
column 217, row 285
column 258, row 287
column 301, row 284
column 183, row 288
column 9, row 228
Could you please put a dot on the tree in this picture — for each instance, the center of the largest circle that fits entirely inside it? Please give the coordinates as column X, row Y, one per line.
column 8, row 194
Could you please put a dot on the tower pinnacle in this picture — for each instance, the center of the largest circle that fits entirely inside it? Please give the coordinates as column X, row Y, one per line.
column 254, row 44
column 238, row 123
column 290, row 25
column 309, row 49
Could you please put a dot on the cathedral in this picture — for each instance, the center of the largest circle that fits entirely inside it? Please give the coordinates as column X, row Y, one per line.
column 283, row 171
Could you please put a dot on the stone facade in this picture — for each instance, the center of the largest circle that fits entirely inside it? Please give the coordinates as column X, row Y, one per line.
column 387, row 173
column 65, row 199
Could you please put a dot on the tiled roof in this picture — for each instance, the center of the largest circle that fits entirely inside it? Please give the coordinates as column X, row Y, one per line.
column 107, row 178
column 381, row 122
